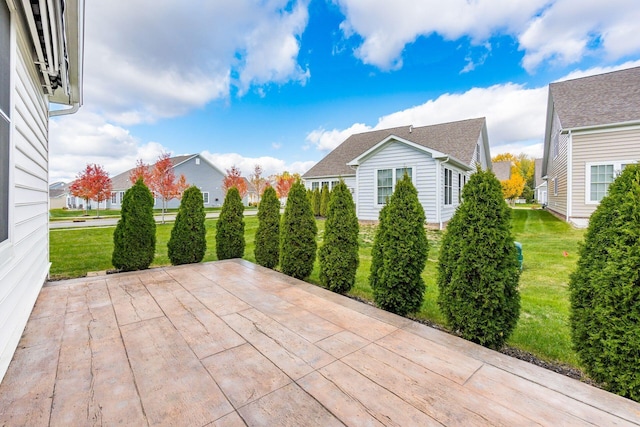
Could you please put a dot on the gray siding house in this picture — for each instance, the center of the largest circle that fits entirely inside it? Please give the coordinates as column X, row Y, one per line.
column 438, row 158
column 592, row 132
column 197, row 170
column 40, row 63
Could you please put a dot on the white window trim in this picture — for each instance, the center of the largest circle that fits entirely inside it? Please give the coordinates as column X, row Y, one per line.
column 206, row 200
column 393, row 187
column 6, row 246
column 554, row 182
column 617, row 168
column 444, row 187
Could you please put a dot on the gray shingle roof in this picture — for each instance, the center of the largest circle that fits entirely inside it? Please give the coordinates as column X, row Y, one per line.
column 121, row 181
column 597, row 100
column 457, row 139
column 502, row 170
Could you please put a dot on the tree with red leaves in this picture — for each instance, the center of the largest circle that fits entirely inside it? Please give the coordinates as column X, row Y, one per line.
column 234, row 179
column 141, row 170
column 93, row 183
column 163, row 181
column 284, row 181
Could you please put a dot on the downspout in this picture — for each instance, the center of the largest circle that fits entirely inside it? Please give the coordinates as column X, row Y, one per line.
column 569, row 175
column 74, row 108
column 439, row 202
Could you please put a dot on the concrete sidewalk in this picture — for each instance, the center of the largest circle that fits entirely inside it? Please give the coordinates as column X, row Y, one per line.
column 230, row 343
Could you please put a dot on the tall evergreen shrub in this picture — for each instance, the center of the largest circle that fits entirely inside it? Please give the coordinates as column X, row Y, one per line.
column 478, row 269
column 188, row 242
column 400, row 252
column 316, row 202
column 605, row 289
column 338, row 255
column 268, row 233
column 230, row 227
column 325, row 194
column 298, row 231
column 134, row 239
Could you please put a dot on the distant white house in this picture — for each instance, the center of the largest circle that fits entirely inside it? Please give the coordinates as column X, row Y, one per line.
column 41, row 50
column 197, row 170
column 540, row 190
column 438, row 158
column 592, row 133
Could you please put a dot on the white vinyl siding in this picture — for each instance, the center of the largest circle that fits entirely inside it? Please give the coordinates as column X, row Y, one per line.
column 557, row 167
column 396, row 155
column 24, row 257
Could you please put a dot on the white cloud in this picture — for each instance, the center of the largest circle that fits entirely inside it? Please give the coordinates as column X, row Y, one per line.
column 387, row 27
column 571, row 29
column 270, row 165
column 144, row 63
column 84, row 138
column 327, row 140
column 563, row 31
column 576, row 74
column 515, row 117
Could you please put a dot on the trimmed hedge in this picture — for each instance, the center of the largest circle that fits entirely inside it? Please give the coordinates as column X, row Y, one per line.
column 478, row 268
column 188, row 241
column 325, row 195
column 134, row 239
column 268, row 233
column 230, row 227
column 399, row 252
column 338, row 255
column 605, row 290
column 298, row 231
column 315, row 203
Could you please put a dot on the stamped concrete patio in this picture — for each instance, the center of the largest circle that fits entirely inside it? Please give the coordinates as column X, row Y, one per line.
column 230, row 343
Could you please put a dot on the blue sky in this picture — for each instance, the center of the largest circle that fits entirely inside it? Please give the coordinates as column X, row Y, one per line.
column 281, row 82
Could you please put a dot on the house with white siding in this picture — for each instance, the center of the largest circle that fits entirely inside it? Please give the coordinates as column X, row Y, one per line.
column 438, row 158
column 41, row 50
column 592, row 132
column 540, row 185
column 197, row 171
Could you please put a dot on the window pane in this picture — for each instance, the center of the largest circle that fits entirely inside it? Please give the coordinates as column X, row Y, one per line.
column 400, row 173
column 385, row 185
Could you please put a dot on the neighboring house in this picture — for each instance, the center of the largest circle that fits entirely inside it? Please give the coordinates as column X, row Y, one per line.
column 41, row 51
column 196, row 169
column 439, row 159
column 540, row 185
column 592, row 132
column 502, row 169
column 60, row 197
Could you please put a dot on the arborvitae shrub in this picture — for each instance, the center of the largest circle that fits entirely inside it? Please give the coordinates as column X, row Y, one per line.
column 478, row 269
column 268, row 233
column 188, row 242
column 605, row 289
column 134, row 239
column 230, row 227
column 316, row 202
column 400, row 252
column 325, row 194
column 338, row 255
column 297, row 235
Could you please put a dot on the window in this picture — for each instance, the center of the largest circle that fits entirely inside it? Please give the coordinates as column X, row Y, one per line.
column 598, row 178
column 478, row 154
column 5, row 118
column 325, row 184
column 114, row 198
column 205, row 197
column 448, row 186
column 387, row 180
column 554, row 181
column 385, row 185
column 334, row 183
column 197, row 160
column 459, row 187
column 120, row 196
column 555, row 144
column 315, row 186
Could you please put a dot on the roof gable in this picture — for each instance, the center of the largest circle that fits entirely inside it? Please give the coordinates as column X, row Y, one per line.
column 456, row 139
column 597, row 100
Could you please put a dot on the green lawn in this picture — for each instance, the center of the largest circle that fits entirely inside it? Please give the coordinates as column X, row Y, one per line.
column 65, row 214
column 543, row 326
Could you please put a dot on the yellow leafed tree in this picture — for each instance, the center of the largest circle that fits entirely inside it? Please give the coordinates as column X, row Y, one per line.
column 512, row 187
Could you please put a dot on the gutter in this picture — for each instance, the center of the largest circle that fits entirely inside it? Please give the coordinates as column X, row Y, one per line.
column 74, row 108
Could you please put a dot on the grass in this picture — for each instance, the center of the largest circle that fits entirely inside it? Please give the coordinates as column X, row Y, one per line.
column 66, row 214
column 543, row 326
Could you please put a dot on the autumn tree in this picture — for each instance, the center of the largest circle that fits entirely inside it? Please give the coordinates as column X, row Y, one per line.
column 525, row 167
column 163, row 181
column 257, row 180
column 284, row 181
column 93, row 183
column 512, row 187
column 234, row 178
column 141, row 170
